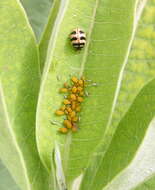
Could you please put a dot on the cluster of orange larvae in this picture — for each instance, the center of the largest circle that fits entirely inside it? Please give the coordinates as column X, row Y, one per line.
column 71, row 104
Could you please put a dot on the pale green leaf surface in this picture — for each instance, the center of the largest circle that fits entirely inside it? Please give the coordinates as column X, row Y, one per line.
column 51, row 25
column 148, row 184
column 38, row 12
column 142, row 167
column 140, row 66
column 7, row 143
column 6, row 180
column 128, row 137
column 19, row 83
column 108, row 25
column 137, row 72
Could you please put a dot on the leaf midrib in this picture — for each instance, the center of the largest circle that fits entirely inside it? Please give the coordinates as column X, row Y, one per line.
column 85, row 55
column 84, row 59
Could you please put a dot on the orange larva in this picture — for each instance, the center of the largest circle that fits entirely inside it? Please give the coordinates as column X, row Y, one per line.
column 69, row 109
column 80, row 99
column 75, row 119
column 68, row 124
column 59, row 112
column 79, row 89
column 81, row 83
column 81, row 93
column 63, row 90
column 69, row 118
column 74, row 89
column 63, row 130
column 66, row 102
column 72, row 97
column 74, row 79
column 73, row 105
column 72, row 114
column 78, row 109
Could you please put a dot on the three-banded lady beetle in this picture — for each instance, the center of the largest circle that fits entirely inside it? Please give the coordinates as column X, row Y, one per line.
column 78, row 38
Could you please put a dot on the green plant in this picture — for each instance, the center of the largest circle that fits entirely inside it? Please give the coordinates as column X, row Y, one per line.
column 114, row 148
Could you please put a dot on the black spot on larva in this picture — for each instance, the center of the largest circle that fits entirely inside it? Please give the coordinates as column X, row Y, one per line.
column 74, row 32
column 81, row 32
column 74, row 38
column 78, row 45
column 82, row 38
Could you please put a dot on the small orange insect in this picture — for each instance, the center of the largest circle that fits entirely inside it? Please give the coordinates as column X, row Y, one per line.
column 59, row 112
column 73, row 97
column 63, row 90
column 75, row 93
column 74, row 79
column 74, row 89
column 66, row 101
column 63, row 130
column 68, row 124
column 80, row 99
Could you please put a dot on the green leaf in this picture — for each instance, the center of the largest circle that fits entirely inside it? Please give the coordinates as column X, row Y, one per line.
column 52, row 24
column 19, row 84
column 38, row 12
column 139, row 71
column 108, row 26
column 133, row 141
column 147, row 184
column 6, row 180
column 127, row 141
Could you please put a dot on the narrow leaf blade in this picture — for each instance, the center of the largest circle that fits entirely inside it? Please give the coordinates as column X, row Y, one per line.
column 19, row 84
column 138, row 72
column 38, row 13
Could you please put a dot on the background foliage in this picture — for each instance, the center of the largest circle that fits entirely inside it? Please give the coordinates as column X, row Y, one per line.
column 114, row 148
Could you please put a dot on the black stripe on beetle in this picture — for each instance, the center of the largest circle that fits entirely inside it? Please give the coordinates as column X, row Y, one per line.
column 74, row 38
column 74, row 32
column 82, row 38
column 78, row 38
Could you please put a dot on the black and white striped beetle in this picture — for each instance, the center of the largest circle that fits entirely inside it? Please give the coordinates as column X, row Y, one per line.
column 78, row 38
